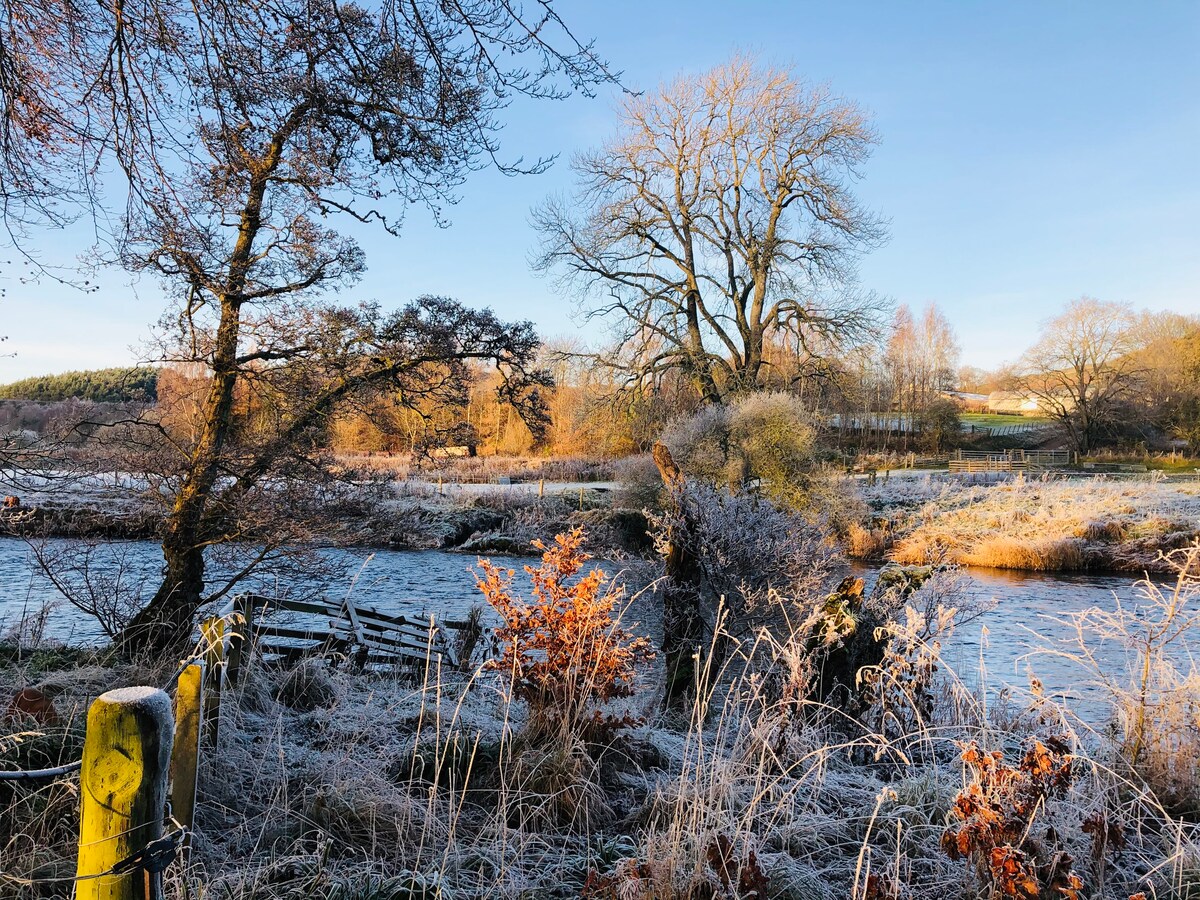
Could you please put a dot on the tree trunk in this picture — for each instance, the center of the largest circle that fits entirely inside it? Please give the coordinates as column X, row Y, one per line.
column 683, row 625
column 166, row 621
column 706, row 385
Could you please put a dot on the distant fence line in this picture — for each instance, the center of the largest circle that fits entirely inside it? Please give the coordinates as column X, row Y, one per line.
column 141, row 755
column 903, row 425
column 1009, row 460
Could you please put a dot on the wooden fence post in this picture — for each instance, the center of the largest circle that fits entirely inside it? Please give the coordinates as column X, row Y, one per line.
column 123, row 791
column 213, row 631
column 239, row 639
column 185, row 756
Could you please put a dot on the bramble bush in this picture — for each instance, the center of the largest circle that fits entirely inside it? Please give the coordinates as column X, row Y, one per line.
column 996, row 812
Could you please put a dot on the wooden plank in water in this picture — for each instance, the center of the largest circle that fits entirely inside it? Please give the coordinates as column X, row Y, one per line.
column 295, row 634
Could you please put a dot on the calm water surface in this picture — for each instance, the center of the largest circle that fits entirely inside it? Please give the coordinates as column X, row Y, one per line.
column 1023, row 617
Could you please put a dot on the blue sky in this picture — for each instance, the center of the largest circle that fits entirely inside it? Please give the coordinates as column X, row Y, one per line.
column 1031, row 152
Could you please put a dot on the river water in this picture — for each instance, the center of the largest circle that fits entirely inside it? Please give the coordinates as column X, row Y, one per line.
column 1025, row 608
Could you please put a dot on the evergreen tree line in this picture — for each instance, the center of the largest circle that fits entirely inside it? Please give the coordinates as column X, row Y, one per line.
column 113, row 385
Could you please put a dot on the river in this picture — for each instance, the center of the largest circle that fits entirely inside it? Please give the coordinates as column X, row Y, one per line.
column 1024, row 614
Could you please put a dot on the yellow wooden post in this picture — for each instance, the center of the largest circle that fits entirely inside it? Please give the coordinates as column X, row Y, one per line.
column 213, row 632
column 185, row 757
column 123, row 791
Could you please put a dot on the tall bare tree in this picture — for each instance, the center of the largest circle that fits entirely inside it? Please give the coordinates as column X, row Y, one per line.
column 921, row 358
column 242, row 129
column 720, row 215
column 1083, row 367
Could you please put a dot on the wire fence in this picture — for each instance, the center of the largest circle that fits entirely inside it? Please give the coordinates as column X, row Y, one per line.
column 140, row 736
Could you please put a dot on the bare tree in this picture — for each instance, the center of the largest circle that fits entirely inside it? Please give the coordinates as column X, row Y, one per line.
column 1083, row 367
column 241, row 130
column 921, row 357
column 720, row 216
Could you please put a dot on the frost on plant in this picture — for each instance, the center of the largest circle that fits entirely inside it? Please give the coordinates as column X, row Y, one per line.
column 565, row 650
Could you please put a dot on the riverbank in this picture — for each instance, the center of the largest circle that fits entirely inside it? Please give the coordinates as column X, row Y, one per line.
column 398, row 515
column 1078, row 524
column 332, row 784
column 1031, row 524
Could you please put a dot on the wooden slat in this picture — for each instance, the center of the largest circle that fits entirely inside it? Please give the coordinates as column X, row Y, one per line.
column 411, row 634
column 316, row 647
column 368, row 619
column 389, row 620
column 389, row 644
column 297, row 634
column 305, row 606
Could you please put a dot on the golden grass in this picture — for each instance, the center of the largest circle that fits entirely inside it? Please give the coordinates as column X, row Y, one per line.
column 866, row 542
column 1043, row 526
column 1050, row 554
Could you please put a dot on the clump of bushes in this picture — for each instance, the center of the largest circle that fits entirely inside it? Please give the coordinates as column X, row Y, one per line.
column 994, row 818
column 565, row 655
column 766, row 439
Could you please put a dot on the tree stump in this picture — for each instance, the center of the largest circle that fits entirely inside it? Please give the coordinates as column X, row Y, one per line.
column 683, row 625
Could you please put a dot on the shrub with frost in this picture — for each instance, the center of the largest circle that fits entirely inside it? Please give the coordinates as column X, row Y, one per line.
column 764, row 439
column 760, row 560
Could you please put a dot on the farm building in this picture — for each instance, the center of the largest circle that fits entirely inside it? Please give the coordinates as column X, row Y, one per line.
column 1013, row 402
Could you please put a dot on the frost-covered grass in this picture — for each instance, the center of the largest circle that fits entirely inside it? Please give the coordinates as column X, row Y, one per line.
column 1030, row 524
column 373, row 512
column 335, row 785
column 478, row 469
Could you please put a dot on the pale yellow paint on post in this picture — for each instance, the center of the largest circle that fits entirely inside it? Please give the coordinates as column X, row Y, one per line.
column 213, row 632
column 185, row 757
column 123, row 790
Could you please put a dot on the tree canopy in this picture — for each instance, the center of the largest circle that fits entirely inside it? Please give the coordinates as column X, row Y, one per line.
column 720, row 216
column 245, row 133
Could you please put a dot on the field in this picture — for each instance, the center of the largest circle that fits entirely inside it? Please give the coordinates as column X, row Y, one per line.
column 1000, row 420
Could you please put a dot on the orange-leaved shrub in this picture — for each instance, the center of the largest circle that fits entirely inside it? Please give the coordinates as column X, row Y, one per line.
column 565, row 648
column 996, row 812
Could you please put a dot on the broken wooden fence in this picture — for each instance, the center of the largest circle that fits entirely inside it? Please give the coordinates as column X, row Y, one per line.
column 284, row 630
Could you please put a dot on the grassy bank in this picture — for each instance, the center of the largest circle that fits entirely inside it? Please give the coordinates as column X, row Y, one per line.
column 1059, row 525
column 396, row 514
column 360, row 787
